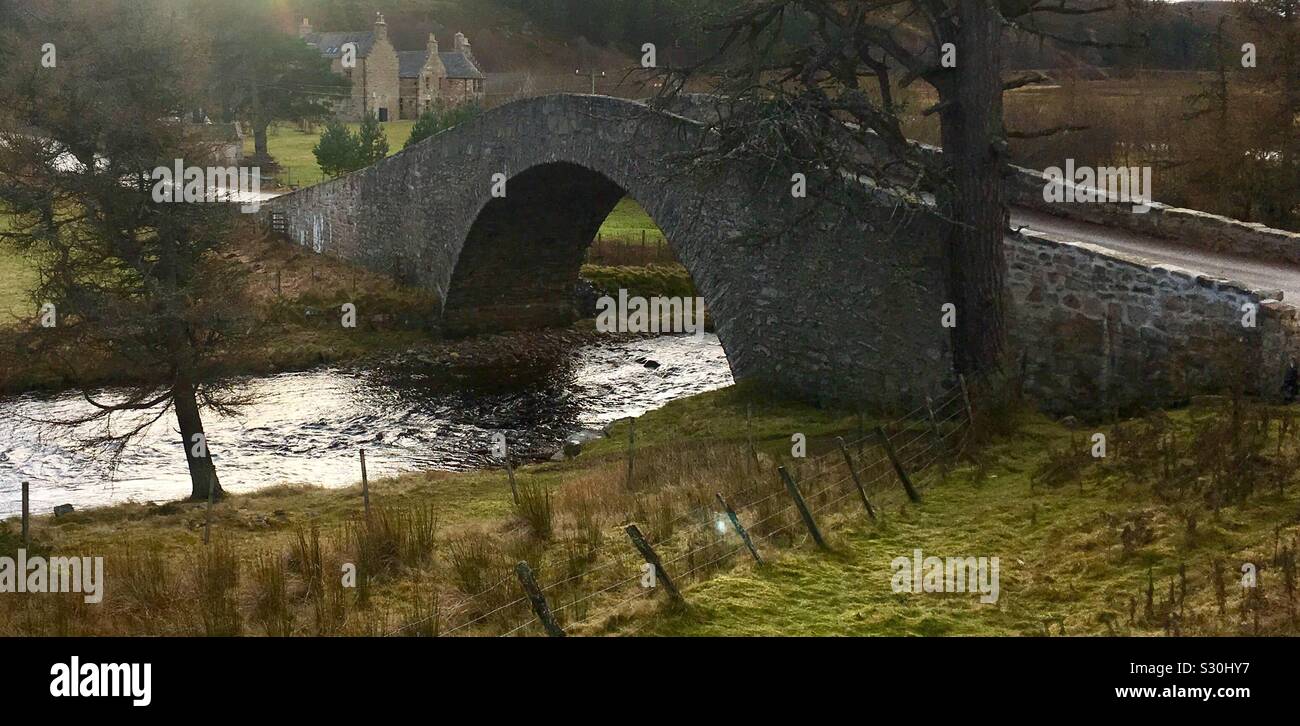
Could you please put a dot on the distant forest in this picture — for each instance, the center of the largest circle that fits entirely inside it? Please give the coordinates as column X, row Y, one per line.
column 1144, row 35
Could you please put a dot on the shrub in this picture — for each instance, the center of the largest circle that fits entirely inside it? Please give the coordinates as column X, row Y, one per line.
column 338, row 152
column 439, row 119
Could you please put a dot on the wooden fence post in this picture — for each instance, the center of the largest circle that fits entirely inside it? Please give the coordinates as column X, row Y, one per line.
column 934, row 425
column 799, row 503
column 740, row 529
column 898, row 466
column 27, row 540
column 365, row 485
column 207, row 517
column 749, row 432
column 652, row 559
column 540, row 606
column 862, row 432
column 631, row 449
column 938, row 440
column 510, row 472
column 857, row 481
column 965, row 397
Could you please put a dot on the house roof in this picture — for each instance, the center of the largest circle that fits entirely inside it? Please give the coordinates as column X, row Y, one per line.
column 411, row 62
column 331, row 45
column 459, row 65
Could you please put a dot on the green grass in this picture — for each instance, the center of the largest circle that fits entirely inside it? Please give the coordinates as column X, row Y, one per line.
column 628, row 221
column 646, row 281
column 17, row 276
column 1062, row 567
column 292, row 148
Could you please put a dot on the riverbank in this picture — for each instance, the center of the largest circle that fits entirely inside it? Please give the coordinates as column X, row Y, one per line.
column 299, row 296
column 1150, row 539
column 420, row 409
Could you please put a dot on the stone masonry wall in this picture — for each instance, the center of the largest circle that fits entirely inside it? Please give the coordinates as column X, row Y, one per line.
column 382, row 84
column 1191, row 227
column 804, row 297
column 828, row 307
column 1101, row 330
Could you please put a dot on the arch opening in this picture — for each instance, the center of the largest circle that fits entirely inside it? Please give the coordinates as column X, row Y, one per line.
column 520, row 262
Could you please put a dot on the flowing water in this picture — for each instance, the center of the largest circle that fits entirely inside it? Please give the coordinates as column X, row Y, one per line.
column 307, row 427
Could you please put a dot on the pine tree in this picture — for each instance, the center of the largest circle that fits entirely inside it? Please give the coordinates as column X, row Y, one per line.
column 339, row 151
column 439, row 119
column 372, row 144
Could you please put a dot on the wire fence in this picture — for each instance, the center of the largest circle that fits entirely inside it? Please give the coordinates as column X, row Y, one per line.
column 916, row 447
column 630, row 247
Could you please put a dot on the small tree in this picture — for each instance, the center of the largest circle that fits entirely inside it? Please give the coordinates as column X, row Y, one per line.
column 372, row 144
column 440, row 118
column 136, row 281
column 339, row 151
column 263, row 74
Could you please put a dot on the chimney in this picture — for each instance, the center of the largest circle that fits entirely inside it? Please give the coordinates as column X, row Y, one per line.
column 304, row 30
column 381, row 28
column 462, row 44
column 433, row 45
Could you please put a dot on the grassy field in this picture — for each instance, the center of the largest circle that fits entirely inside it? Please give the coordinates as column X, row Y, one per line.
column 628, row 221
column 16, row 280
column 1065, row 567
column 292, row 147
column 1115, row 546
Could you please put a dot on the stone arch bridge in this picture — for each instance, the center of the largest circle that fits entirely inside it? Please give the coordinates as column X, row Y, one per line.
column 823, row 304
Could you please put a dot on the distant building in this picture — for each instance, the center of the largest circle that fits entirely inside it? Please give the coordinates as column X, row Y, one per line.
column 431, row 76
column 397, row 84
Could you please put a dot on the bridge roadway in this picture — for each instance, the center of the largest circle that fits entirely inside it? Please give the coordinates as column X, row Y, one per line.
column 1258, row 274
column 1264, row 276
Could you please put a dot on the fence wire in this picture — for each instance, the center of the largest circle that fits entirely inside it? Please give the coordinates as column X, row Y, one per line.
column 926, row 445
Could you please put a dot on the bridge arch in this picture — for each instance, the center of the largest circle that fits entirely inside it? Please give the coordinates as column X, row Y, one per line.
column 820, row 303
column 519, row 264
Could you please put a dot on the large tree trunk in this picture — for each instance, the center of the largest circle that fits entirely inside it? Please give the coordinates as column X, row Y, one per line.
column 1291, row 112
column 974, row 147
column 259, row 140
column 203, row 474
column 260, row 124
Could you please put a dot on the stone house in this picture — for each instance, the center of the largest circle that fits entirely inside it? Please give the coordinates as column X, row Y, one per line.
column 397, row 84
column 431, row 76
column 373, row 71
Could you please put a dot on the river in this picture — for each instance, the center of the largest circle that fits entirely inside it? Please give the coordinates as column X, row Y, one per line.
column 307, row 427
